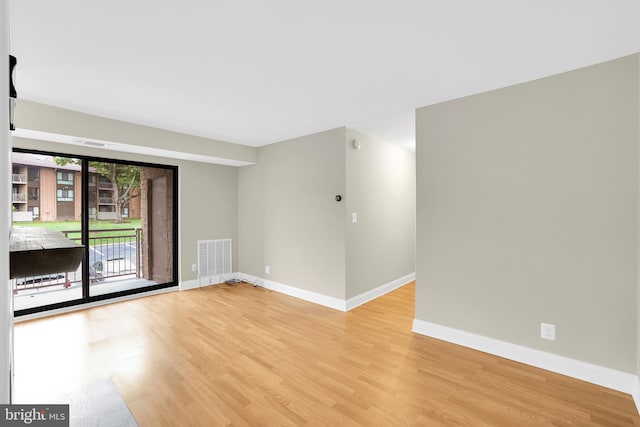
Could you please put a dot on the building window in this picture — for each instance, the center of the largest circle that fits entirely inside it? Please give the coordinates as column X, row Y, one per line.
column 34, row 174
column 65, row 195
column 34, row 193
column 65, row 178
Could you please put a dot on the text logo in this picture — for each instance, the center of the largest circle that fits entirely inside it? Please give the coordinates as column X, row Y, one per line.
column 34, row 415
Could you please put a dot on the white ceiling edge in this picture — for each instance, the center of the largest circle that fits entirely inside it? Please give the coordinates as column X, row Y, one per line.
column 124, row 148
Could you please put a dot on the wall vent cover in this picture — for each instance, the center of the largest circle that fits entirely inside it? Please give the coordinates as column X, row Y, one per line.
column 214, row 257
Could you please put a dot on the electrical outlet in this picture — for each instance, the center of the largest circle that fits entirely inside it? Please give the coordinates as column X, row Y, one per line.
column 194, row 267
column 548, row 331
column 354, row 217
column 267, row 269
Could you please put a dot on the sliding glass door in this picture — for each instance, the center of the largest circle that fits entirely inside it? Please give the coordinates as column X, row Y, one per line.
column 123, row 213
column 46, row 193
column 130, row 227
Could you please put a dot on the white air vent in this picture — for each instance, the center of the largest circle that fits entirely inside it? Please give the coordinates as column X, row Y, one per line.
column 94, row 144
column 214, row 257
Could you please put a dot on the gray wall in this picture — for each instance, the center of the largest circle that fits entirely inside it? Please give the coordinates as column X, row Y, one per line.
column 208, row 210
column 46, row 118
column 207, row 198
column 527, row 212
column 381, row 190
column 288, row 218
column 251, row 219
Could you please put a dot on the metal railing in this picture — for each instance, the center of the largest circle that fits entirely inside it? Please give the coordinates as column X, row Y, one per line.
column 19, row 197
column 105, row 200
column 105, row 185
column 116, row 254
column 18, row 178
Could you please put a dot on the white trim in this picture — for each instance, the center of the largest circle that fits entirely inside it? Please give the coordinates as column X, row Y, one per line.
column 636, row 394
column 365, row 297
column 595, row 374
column 92, row 304
column 201, row 282
column 186, row 285
column 314, row 297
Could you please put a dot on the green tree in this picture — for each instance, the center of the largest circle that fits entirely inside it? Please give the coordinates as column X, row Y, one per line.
column 125, row 180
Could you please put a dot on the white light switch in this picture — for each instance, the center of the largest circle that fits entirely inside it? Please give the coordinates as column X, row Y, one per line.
column 354, row 217
column 194, row 267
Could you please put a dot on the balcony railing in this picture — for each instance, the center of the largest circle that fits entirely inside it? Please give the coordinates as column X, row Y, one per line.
column 105, row 185
column 112, row 253
column 19, row 178
column 19, row 198
column 105, row 200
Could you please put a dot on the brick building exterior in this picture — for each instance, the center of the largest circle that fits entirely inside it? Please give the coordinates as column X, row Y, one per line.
column 45, row 191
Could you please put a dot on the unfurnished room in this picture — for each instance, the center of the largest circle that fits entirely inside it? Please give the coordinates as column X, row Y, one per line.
column 332, row 213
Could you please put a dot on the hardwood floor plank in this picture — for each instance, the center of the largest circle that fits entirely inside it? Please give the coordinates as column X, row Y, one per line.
column 245, row 356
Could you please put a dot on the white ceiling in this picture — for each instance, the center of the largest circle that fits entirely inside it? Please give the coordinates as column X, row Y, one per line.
column 256, row 72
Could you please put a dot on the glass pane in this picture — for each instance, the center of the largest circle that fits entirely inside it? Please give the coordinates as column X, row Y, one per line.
column 37, row 185
column 130, row 227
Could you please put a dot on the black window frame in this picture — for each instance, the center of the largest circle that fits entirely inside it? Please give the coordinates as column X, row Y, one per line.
column 84, row 191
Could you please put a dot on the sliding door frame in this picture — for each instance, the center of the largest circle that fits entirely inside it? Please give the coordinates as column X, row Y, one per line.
column 86, row 297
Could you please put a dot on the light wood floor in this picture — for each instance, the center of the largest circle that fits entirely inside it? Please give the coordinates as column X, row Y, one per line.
column 247, row 356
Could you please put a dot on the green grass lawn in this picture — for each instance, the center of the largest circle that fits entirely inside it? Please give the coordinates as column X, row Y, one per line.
column 95, row 226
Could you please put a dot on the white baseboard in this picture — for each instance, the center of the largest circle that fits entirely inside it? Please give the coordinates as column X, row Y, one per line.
column 327, row 301
column 187, row 285
column 636, row 394
column 314, row 297
column 201, row 282
column 606, row 377
column 365, row 297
